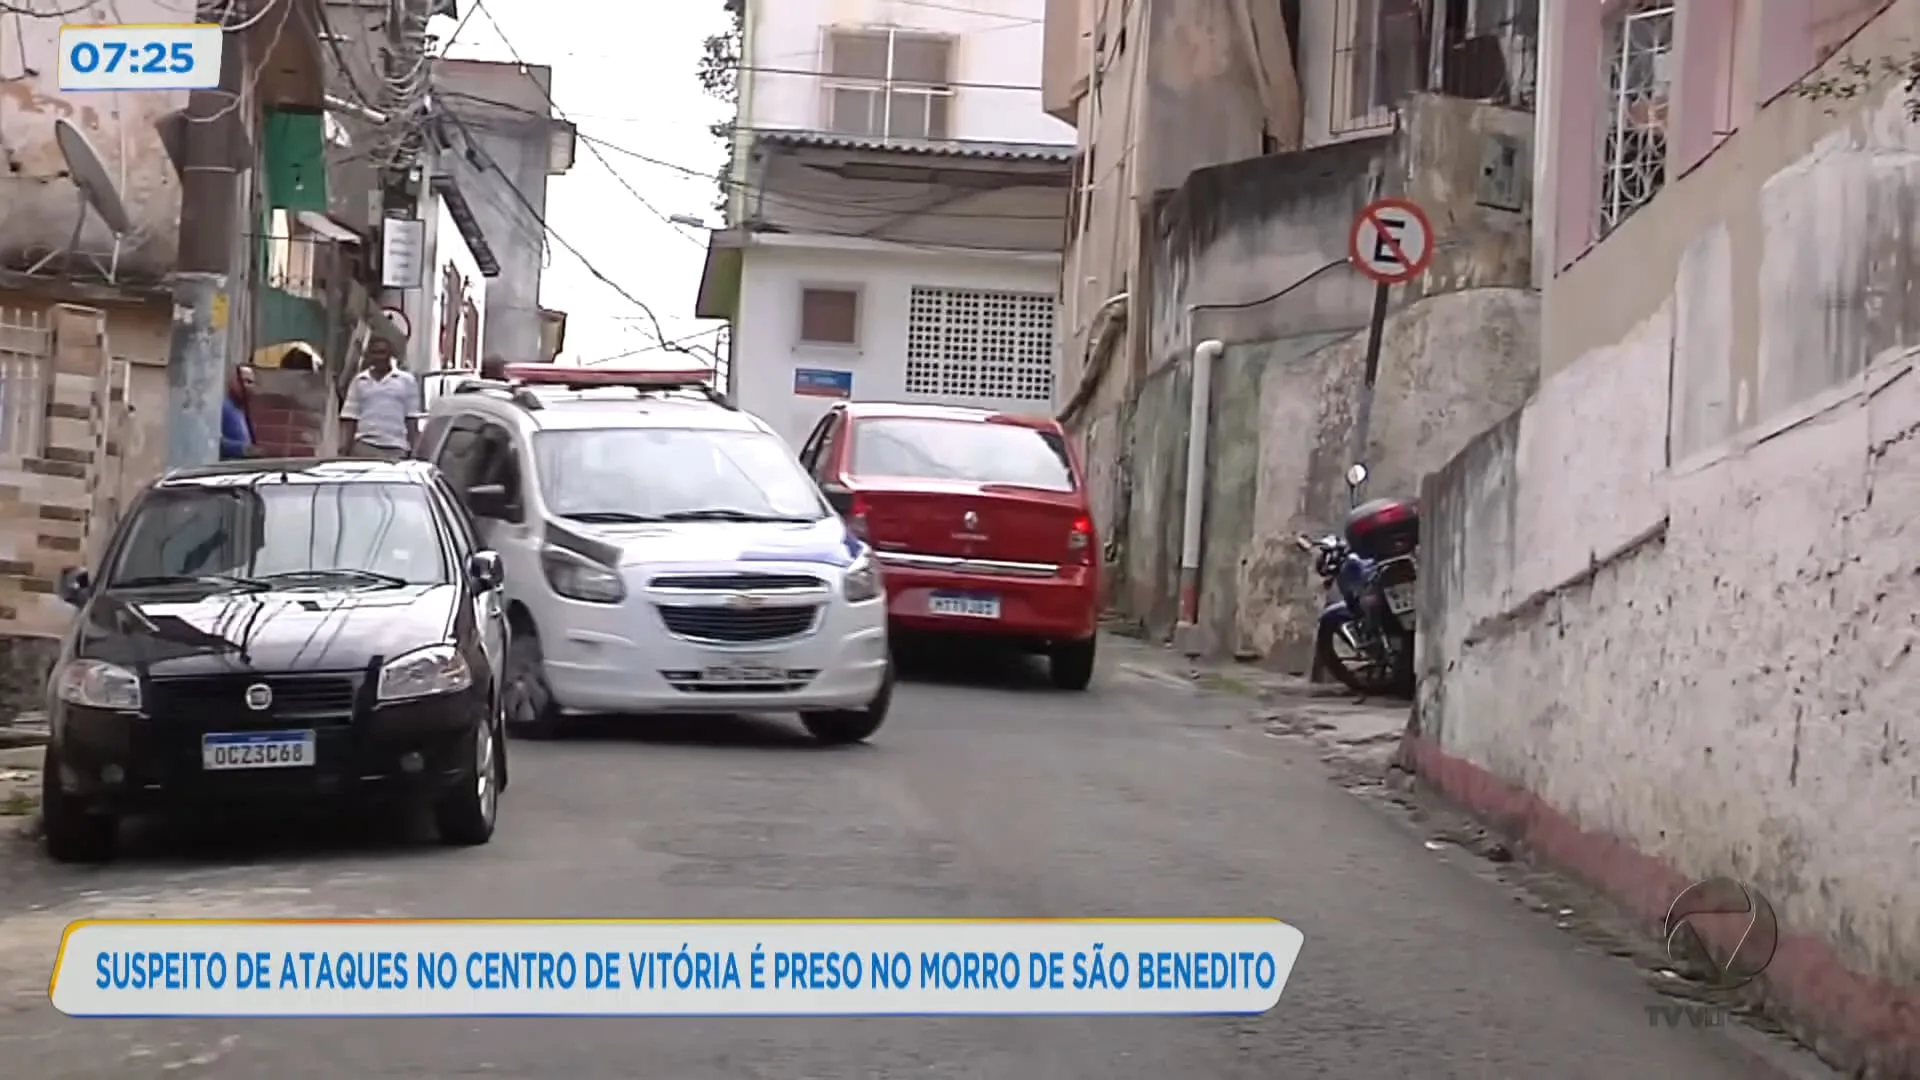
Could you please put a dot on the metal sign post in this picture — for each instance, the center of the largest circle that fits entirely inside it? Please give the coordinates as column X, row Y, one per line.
column 1391, row 242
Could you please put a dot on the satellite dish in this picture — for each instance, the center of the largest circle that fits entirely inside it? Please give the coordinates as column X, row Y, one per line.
column 90, row 176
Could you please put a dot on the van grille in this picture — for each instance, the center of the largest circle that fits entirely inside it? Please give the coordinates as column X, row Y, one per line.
column 737, row 582
column 736, row 626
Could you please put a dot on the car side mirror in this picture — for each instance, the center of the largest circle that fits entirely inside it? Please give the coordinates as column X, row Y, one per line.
column 492, row 501
column 838, row 496
column 486, row 571
column 75, row 585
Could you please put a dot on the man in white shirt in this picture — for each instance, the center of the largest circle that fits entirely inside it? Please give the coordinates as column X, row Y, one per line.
column 381, row 416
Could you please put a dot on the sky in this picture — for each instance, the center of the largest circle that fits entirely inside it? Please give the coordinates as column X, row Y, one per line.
column 626, row 79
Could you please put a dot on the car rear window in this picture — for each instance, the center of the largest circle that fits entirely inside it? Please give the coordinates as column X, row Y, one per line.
column 978, row 451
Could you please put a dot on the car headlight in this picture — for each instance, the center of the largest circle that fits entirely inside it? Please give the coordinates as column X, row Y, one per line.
column 96, row 684
column 862, row 580
column 436, row 669
column 577, row 577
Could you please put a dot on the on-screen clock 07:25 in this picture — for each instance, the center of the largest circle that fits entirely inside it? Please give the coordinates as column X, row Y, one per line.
column 141, row 57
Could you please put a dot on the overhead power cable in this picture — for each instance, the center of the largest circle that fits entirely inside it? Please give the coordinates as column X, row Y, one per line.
column 487, row 162
column 666, row 220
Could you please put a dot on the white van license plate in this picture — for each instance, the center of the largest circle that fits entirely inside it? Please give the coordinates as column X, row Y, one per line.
column 257, row 750
column 965, row 605
column 743, row 675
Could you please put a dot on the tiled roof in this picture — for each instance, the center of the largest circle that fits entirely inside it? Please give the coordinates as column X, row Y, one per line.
column 949, row 148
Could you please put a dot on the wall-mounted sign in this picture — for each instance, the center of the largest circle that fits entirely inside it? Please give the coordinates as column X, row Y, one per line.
column 822, row 382
column 403, row 243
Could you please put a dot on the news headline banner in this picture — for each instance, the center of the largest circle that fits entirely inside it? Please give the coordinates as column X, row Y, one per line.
column 617, row 967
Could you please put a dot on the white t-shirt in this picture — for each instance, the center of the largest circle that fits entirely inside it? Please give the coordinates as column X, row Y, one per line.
column 381, row 407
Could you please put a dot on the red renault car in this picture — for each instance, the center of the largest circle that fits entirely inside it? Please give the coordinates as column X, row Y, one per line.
column 979, row 522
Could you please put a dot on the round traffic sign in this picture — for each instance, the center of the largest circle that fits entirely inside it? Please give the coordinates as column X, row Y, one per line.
column 1391, row 241
column 398, row 317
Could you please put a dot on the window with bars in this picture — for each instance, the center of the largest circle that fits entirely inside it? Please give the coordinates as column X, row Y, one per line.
column 1379, row 64
column 984, row 344
column 888, row 84
column 1639, row 77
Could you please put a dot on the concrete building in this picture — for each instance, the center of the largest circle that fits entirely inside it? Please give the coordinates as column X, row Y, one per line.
column 86, row 310
column 896, row 211
column 1668, row 618
column 505, row 112
column 1224, row 150
column 1158, row 90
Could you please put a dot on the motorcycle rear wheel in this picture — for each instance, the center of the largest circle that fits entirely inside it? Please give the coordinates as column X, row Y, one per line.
column 1350, row 668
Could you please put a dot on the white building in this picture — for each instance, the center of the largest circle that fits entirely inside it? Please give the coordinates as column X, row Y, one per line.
column 897, row 211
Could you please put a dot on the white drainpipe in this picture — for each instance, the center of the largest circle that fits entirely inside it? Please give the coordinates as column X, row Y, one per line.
column 1204, row 355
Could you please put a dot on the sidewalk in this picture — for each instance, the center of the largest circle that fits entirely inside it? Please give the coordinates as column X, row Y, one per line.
column 1359, row 739
column 20, row 754
column 1359, row 735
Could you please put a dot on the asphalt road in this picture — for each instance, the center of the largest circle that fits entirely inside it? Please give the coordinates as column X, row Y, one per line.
column 986, row 795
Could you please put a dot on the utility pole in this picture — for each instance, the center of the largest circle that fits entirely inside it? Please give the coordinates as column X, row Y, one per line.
column 209, row 199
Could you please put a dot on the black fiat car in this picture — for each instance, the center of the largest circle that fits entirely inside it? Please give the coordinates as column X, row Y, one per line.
column 266, row 631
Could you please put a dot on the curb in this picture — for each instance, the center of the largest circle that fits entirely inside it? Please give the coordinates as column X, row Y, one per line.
column 18, row 737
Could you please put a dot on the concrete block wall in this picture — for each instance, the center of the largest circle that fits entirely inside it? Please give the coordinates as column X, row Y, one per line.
column 1671, row 607
column 47, row 501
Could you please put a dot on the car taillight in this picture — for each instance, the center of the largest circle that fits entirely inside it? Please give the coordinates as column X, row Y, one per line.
column 1080, row 540
column 857, row 517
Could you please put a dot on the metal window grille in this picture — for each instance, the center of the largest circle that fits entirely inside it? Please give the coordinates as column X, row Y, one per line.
column 888, row 84
column 25, row 339
column 979, row 343
column 1639, row 77
column 1377, row 62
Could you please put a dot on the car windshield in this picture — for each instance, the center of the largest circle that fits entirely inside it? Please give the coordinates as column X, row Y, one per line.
column 979, row 451
column 262, row 533
column 673, row 474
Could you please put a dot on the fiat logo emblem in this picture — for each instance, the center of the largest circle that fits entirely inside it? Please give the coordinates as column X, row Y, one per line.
column 259, row 696
column 970, row 520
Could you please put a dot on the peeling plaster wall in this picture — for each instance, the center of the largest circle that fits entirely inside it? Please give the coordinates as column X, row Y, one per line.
column 1459, row 353
column 1282, row 429
column 38, row 203
column 1677, row 597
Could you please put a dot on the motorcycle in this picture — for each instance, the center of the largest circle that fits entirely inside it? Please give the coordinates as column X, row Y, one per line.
column 1366, row 626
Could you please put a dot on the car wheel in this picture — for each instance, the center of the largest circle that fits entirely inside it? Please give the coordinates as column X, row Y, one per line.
column 530, row 709
column 1070, row 664
column 466, row 814
column 843, row 726
column 74, row 833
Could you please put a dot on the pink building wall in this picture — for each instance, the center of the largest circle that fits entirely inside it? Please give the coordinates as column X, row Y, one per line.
column 1730, row 58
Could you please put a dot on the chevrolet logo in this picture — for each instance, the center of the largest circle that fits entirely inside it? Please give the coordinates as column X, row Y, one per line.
column 742, row 601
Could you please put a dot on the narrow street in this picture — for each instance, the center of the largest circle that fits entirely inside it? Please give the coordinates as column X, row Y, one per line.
column 988, row 795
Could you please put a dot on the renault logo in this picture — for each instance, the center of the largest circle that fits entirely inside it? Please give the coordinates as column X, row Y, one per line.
column 970, row 521
column 259, row 696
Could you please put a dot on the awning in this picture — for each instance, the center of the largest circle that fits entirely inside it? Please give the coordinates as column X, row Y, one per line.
column 327, row 227
column 291, row 355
